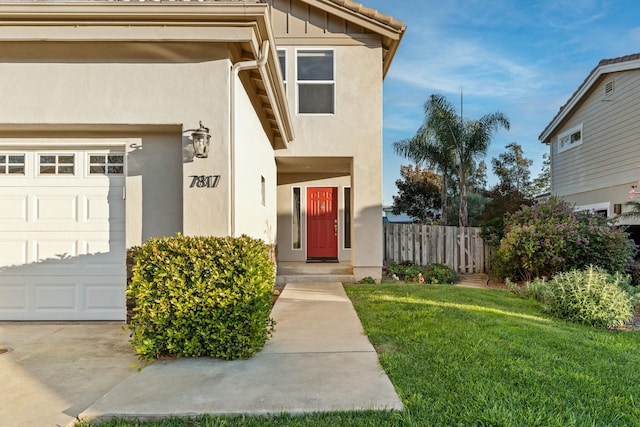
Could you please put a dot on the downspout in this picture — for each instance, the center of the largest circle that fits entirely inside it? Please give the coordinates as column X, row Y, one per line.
column 235, row 71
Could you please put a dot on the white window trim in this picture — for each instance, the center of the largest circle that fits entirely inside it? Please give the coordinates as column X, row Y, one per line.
column 87, row 163
column 316, row 82
column 595, row 207
column 76, row 164
column 4, row 171
column 569, row 133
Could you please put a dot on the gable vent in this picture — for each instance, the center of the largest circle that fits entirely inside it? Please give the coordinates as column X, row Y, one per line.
column 608, row 88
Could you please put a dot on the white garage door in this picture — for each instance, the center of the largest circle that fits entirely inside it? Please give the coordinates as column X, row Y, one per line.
column 62, row 228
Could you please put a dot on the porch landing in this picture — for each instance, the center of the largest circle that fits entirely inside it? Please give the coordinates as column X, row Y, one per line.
column 315, row 272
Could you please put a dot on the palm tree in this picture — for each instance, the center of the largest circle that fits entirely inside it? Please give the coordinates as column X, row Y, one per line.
column 425, row 148
column 452, row 144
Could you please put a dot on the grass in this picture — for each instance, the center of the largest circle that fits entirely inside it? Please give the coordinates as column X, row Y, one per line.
column 480, row 357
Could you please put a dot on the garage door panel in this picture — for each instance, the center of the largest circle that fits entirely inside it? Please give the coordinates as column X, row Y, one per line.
column 13, row 297
column 54, row 297
column 13, row 252
column 63, row 250
column 14, row 210
column 104, row 296
column 58, row 210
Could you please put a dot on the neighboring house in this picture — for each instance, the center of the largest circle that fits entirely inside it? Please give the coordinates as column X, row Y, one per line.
column 388, row 217
column 594, row 139
column 101, row 102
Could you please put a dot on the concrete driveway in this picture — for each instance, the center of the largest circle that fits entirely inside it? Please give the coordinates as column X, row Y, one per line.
column 318, row 360
column 53, row 372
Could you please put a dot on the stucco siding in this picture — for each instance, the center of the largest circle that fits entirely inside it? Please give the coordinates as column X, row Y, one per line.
column 154, row 187
column 610, row 152
column 85, row 91
column 254, row 160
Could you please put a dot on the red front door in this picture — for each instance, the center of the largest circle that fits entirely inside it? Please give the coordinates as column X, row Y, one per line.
column 322, row 223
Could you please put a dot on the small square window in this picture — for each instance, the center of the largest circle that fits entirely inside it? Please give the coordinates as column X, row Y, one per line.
column 56, row 164
column 106, row 164
column 12, row 164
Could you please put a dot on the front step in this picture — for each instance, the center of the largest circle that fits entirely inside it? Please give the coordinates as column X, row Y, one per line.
column 300, row 272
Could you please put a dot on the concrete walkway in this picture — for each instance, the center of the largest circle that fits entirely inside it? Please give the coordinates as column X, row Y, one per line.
column 318, row 360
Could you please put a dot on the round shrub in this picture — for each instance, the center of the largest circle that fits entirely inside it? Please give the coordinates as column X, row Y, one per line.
column 550, row 237
column 590, row 296
column 201, row 296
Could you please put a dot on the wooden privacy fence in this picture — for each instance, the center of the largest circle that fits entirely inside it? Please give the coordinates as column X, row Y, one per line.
column 460, row 248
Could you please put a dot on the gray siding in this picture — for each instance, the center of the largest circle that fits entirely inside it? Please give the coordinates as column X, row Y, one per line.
column 610, row 151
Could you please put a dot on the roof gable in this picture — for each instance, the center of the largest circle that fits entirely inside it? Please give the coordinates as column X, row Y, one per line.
column 316, row 18
column 604, row 67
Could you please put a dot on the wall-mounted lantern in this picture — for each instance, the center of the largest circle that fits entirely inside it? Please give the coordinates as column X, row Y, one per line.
column 201, row 140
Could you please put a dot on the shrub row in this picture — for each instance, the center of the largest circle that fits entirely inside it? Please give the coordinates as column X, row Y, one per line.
column 201, row 296
column 551, row 237
column 431, row 273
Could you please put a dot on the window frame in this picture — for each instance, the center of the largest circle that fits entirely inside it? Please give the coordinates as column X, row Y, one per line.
column 569, row 133
column 88, row 164
column 38, row 163
column 299, row 82
column 4, row 166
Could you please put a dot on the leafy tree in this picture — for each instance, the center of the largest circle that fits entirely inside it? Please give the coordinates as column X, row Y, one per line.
column 418, row 193
column 426, row 148
column 512, row 169
column 502, row 201
column 478, row 180
column 476, row 203
column 542, row 183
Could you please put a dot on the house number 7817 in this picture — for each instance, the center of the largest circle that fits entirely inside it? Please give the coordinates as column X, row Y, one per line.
column 204, row 181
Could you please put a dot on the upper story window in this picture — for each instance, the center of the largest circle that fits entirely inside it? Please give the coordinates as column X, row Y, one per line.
column 316, row 82
column 570, row 139
column 282, row 59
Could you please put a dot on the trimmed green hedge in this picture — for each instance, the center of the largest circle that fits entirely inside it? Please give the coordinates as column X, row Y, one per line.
column 201, row 296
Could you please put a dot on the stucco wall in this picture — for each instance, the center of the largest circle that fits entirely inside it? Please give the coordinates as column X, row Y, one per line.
column 85, row 88
column 254, row 159
column 355, row 131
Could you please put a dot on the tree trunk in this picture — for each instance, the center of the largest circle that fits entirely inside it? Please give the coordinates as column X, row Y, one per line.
column 463, row 215
column 443, row 198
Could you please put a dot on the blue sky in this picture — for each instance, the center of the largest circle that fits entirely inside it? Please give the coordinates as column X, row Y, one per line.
column 523, row 58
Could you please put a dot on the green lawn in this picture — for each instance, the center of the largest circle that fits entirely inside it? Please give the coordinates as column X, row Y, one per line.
column 482, row 357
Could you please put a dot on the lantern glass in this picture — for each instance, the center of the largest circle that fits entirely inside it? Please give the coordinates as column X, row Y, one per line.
column 201, row 142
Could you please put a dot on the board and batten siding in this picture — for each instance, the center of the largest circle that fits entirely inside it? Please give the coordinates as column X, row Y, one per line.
column 610, row 152
column 295, row 18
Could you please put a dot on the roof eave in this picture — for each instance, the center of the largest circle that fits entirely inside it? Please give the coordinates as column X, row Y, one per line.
column 575, row 99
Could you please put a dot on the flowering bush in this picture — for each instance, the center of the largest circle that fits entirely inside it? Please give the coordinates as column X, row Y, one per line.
column 432, row 273
column 550, row 237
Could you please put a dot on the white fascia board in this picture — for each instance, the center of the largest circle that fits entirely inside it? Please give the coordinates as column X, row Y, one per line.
column 605, row 69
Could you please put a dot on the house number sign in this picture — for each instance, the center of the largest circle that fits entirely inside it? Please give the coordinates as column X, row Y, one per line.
column 204, row 181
